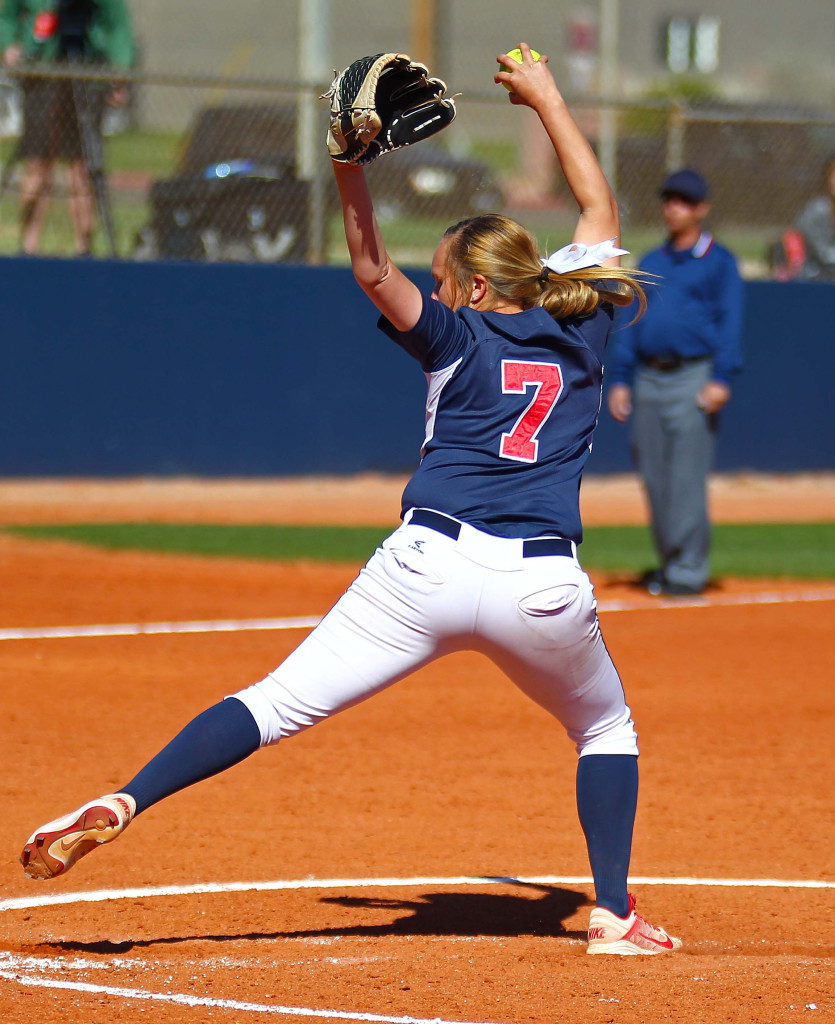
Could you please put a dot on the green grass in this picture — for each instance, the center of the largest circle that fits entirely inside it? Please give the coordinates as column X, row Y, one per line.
column 502, row 155
column 324, row 544
column 797, row 550
column 154, row 153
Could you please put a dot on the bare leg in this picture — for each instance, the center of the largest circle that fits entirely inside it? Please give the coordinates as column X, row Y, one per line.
column 81, row 205
column 34, row 199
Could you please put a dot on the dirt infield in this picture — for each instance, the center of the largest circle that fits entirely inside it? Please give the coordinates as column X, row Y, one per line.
column 366, row 870
column 375, row 500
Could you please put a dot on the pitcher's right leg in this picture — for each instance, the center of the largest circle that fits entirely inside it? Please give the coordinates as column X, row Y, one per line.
column 374, row 635
column 380, row 630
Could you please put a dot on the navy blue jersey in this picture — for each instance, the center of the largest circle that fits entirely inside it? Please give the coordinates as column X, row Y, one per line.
column 512, row 405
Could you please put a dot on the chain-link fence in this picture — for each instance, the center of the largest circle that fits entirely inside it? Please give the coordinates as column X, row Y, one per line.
column 227, row 169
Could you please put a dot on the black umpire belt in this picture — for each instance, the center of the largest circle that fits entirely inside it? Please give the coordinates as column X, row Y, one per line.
column 666, row 363
column 533, row 548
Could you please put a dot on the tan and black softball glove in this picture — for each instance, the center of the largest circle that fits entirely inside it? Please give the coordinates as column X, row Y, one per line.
column 382, row 103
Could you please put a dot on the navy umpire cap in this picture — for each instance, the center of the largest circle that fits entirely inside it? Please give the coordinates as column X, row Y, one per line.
column 688, row 184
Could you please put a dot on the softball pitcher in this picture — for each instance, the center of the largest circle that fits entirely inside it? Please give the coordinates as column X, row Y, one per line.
column 512, row 347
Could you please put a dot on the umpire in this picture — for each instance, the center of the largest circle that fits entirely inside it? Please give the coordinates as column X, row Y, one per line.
column 671, row 372
column 61, row 116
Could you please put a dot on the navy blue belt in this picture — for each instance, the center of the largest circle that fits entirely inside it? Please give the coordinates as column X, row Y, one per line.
column 534, row 548
column 671, row 361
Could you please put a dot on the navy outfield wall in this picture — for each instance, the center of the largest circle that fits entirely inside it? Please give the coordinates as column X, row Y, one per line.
column 124, row 369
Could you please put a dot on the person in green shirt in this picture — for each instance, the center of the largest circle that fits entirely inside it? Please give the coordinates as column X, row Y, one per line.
column 57, row 111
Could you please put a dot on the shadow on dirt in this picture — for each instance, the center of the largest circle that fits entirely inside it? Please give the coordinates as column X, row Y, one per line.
column 434, row 913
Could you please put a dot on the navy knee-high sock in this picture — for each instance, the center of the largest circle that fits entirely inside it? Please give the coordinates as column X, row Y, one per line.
column 222, row 736
column 607, row 795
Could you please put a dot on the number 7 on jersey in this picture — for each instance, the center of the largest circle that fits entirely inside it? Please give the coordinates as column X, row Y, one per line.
column 521, row 443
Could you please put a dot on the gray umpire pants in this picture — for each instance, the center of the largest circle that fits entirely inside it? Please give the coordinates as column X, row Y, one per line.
column 673, row 444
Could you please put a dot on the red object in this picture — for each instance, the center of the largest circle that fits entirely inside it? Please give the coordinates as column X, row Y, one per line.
column 795, row 248
column 582, row 36
column 791, row 255
column 44, row 26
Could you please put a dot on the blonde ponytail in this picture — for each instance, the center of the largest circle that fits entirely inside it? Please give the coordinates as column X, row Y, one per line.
column 580, row 292
column 507, row 256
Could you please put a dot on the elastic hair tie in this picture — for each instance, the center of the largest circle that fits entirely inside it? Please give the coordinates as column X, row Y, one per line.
column 545, row 275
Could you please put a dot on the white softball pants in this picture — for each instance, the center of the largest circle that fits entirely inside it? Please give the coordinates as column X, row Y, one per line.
column 423, row 595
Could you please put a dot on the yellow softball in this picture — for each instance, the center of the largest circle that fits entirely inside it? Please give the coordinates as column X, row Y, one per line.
column 516, row 54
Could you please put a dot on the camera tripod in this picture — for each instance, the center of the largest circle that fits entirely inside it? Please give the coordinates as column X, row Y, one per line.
column 92, row 151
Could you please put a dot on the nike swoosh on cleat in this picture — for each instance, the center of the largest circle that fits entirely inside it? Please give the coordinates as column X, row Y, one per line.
column 664, row 944
column 68, row 844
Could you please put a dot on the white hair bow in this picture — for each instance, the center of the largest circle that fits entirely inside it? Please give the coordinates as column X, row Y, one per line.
column 577, row 256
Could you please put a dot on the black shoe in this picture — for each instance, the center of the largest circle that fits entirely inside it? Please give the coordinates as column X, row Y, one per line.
column 649, row 577
column 666, row 588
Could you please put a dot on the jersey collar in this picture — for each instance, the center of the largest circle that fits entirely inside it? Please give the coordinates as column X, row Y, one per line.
column 703, row 246
column 700, row 249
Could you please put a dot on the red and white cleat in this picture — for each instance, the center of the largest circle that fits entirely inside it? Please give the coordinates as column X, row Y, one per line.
column 53, row 848
column 627, row 936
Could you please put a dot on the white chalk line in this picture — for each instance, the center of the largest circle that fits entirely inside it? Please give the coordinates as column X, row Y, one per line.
column 720, row 601
column 15, row 968
column 224, row 1004
column 210, row 888
column 147, row 628
column 310, row 621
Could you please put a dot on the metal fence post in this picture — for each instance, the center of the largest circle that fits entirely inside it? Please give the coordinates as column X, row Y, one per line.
column 314, row 18
column 675, row 137
column 607, row 85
